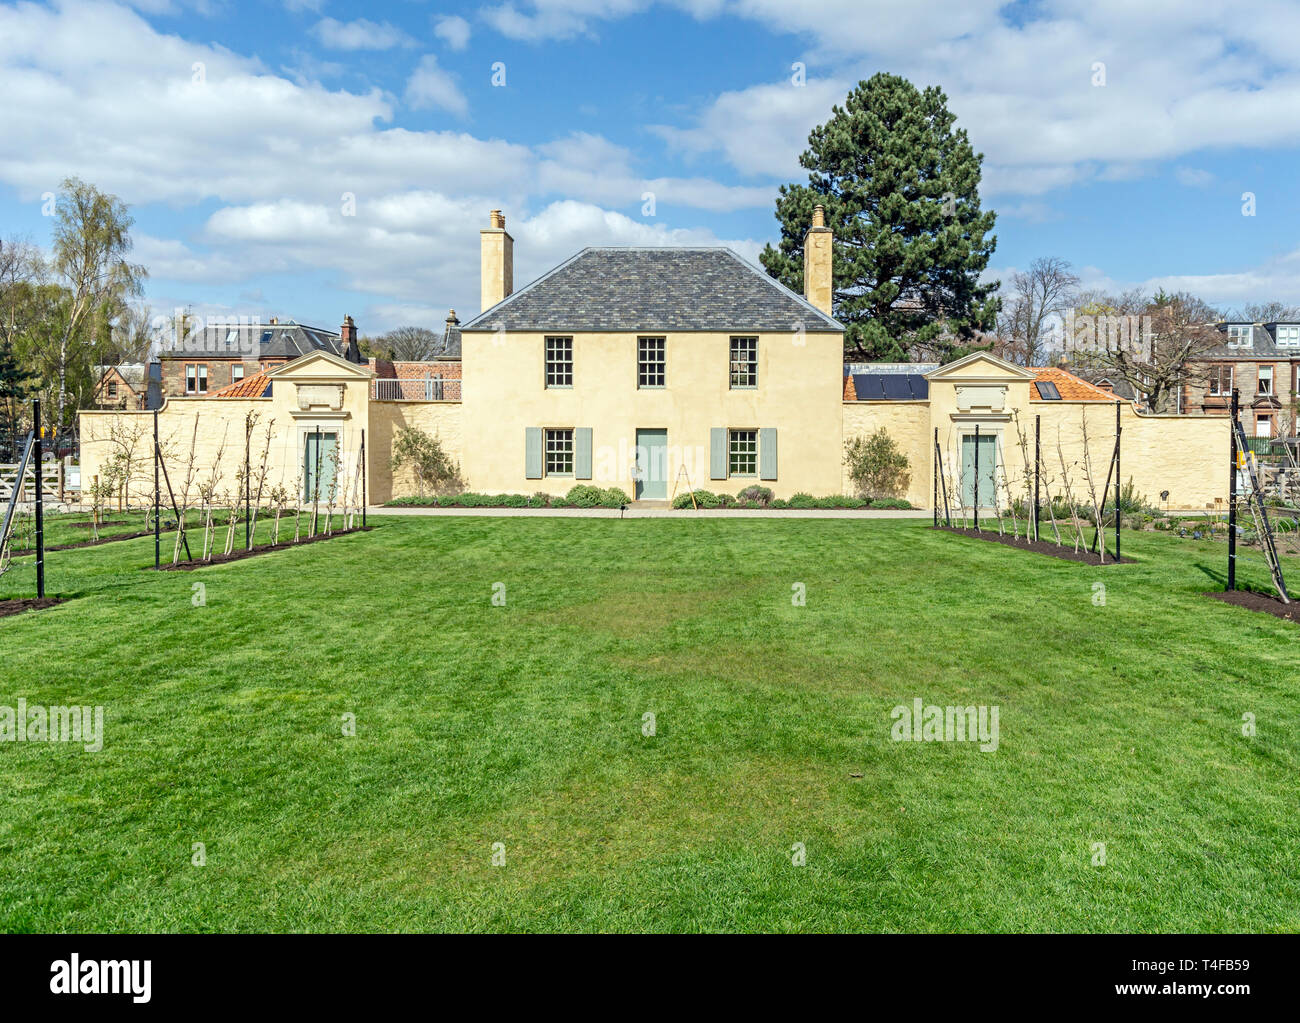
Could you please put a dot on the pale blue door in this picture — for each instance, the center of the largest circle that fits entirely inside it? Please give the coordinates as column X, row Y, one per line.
column 652, row 465
column 988, row 450
column 319, row 465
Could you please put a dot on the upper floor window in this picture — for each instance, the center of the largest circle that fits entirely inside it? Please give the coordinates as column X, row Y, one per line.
column 236, row 372
column 651, row 361
column 1240, row 335
column 1265, row 379
column 1220, row 380
column 196, row 378
column 559, row 452
column 744, row 362
column 112, row 389
column 559, row 362
column 1288, row 335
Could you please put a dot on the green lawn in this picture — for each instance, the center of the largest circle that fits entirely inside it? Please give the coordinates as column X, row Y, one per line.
column 522, row 724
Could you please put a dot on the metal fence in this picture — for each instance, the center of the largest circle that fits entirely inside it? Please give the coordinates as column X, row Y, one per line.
column 427, row 389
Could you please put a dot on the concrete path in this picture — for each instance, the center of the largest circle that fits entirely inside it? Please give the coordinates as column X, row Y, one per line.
column 635, row 512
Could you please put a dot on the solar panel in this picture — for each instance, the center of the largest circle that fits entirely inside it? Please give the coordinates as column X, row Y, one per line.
column 891, row 386
column 1047, row 391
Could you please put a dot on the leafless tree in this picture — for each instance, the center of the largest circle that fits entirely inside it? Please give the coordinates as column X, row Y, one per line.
column 1154, row 345
column 1035, row 299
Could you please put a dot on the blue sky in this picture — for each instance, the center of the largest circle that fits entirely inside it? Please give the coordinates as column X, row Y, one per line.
column 235, row 130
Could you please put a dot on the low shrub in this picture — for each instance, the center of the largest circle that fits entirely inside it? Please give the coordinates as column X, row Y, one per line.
column 890, row 503
column 726, row 501
column 614, row 498
column 541, row 499
column 802, row 500
column 585, row 496
column 755, row 496
column 779, row 503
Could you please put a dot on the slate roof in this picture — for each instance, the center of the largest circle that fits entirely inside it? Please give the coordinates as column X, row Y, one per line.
column 450, row 342
column 1264, row 344
column 254, row 341
column 654, row 289
column 134, row 373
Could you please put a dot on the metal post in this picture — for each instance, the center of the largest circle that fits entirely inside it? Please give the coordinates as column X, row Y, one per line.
column 40, row 499
column 1038, row 460
column 157, row 499
column 248, row 483
column 935, row 499
column 363, row 478
column 1119, row 429
column 1232, row 497
column 977, row 477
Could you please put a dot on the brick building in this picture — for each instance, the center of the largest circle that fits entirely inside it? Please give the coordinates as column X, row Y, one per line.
column 1261, row 361
column 217, row 355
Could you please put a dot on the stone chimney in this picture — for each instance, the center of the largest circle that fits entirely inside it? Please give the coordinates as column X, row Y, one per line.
column 817, row 276
column 348, row 341
column 497, row 265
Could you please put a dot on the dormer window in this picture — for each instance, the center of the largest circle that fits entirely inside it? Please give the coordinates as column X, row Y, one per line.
column 1288, row 335
column 1241, row 335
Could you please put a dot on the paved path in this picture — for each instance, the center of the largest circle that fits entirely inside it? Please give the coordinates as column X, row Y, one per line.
column 634, row 512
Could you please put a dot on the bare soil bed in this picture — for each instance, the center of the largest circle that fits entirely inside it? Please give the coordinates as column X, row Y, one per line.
column 18, row 606
column 1259, row 602
column 1064, row 552
column 239, row 554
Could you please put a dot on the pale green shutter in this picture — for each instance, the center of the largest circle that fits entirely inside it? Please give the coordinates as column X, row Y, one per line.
column 533, row 452
column 767, row 454
column 582, row 453
column 718, row 453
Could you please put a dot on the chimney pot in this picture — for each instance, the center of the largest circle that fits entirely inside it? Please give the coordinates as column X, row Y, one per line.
column 498, row 219
column 819, row 216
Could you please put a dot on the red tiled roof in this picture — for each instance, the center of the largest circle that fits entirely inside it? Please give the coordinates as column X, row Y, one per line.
column 250, row 387
column 1071, row 387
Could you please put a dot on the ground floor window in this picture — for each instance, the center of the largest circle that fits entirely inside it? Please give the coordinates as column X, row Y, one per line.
column 742, row 458
column 1263, row 426
column 559, row 452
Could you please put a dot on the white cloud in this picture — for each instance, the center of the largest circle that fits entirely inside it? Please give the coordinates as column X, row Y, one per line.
column 359, row 35
column 430, row 87
column 1193, row 177
column 453, row 30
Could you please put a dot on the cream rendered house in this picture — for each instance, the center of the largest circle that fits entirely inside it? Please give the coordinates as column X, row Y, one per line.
column 658, row 369
column 647, row 367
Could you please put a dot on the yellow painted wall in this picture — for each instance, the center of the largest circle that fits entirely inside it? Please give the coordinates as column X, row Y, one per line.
column 799, row 393
column 219, row 445
column 908, row 423
column 438, row 419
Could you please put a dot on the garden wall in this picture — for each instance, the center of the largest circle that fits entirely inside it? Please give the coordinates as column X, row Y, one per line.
column 908, row 423
column 439, row 419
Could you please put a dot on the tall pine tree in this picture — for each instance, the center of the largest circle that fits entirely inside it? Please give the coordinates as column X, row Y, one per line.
column 901, row 191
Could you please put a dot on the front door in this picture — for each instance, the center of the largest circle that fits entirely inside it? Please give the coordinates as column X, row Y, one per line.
column 651, row 465
column 988, row 452
column 319, row 463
